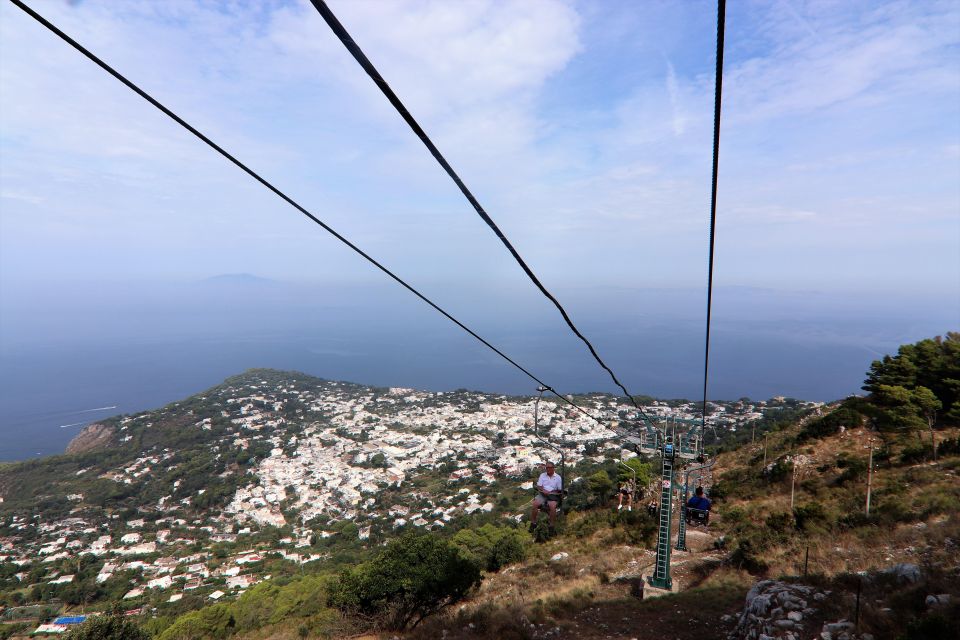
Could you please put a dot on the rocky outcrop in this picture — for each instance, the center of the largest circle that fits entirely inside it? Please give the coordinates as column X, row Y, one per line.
column 785, row 611
column 91, row 438
column 776, row 609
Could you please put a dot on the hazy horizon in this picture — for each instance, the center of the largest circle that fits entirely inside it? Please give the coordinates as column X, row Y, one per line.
column 585, row 130
column 136, row 347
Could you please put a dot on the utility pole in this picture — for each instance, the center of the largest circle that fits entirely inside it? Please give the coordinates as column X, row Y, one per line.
column 869, row 479
column 765, row 450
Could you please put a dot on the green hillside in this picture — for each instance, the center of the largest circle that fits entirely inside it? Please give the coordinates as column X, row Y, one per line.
column 789, row 507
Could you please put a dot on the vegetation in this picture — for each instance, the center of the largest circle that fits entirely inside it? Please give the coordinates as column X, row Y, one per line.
column 490, row 547
column 112, row 627
column 914, row 391
column 270, row 603
column 804, row 490
column 414, row 577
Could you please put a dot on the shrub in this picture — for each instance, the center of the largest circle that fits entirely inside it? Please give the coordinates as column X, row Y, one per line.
column 830, row 424
column 600, row 486
column 748, row 555
column 490, row 547
column 916, row 453
column 780, row 523
column 779, row 470
column 638, row 525
column 853, row 468
column 113, row 627
column 933, row 626
column 811, row 517
column 949, row 447
column 414, row 577
column 586, row 525
column 719, row 490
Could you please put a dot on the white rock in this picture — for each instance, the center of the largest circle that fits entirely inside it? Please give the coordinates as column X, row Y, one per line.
column 563, row 555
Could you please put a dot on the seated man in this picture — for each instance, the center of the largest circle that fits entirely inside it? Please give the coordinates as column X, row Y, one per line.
column 699, row 501
column 549, row 492
column 626, row 491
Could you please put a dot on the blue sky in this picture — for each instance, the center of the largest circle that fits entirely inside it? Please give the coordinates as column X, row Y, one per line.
column 583, row 127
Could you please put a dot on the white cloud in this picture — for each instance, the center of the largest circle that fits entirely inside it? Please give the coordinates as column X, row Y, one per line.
column 678, row 120
column 571, row 144
column 877, row 55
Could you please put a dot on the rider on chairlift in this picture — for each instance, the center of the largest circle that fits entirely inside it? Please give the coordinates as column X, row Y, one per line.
column 698, row 508
column 549, row 494
column 626, row 490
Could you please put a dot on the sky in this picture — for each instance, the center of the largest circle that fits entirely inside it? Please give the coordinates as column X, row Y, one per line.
column 583, row 127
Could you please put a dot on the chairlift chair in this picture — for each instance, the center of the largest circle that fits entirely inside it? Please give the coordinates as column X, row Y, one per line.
column 563, row 458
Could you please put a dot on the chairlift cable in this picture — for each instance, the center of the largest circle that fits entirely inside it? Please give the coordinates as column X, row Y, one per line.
column 718, row 92
column 253, row 174
column 354, row 49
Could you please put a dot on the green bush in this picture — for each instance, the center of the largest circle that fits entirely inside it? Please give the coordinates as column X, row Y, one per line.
column 830, row 424
column 811, row 517
column 264, row 604
column 490, row 547
column 639, row 526
column 948, row 447
column 780, row 523
column 113, row 627
column 719, row 490
column 933, row 626
column 600, row 486
column 853, row 468
column 916, row 453
column 414, row 577
column 748, row 555
column 779, row 470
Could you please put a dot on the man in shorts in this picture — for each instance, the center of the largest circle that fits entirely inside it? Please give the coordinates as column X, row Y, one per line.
column 549, row 491
column 626, row 491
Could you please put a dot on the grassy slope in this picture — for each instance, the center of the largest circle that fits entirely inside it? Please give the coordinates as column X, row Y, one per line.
column 588, row 595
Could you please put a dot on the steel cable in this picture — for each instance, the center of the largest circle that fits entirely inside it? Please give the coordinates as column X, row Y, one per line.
column 253, row 174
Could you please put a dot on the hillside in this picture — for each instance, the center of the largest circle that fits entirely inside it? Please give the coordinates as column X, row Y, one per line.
column 584, row 582
column 914, row 520
column 279, row 505
column 278, row 474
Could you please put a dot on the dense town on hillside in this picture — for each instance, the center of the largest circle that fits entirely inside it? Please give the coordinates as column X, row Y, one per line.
column 327, row 462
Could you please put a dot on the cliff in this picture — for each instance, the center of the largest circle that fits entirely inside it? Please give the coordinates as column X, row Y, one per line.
column 92, row 437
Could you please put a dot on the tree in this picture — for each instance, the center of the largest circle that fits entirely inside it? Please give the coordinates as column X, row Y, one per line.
column 600, row 485
column 491, row 547
column 933, row 363
column 896, row 408
column 112, row 627
column 414, row 577
column 928, row 404
column 642, row 470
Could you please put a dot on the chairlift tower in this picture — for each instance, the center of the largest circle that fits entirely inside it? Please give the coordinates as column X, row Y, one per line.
column 671, row 448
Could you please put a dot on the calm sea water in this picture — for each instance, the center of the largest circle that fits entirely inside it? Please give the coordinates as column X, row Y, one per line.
column 50, row 388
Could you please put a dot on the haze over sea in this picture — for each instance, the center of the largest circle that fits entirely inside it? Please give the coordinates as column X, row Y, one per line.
column 69, row 359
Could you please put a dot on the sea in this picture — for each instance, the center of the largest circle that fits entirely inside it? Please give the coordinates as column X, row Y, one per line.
column 67, row 364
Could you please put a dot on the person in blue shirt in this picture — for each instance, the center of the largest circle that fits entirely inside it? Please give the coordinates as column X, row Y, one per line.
column 699, row 501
